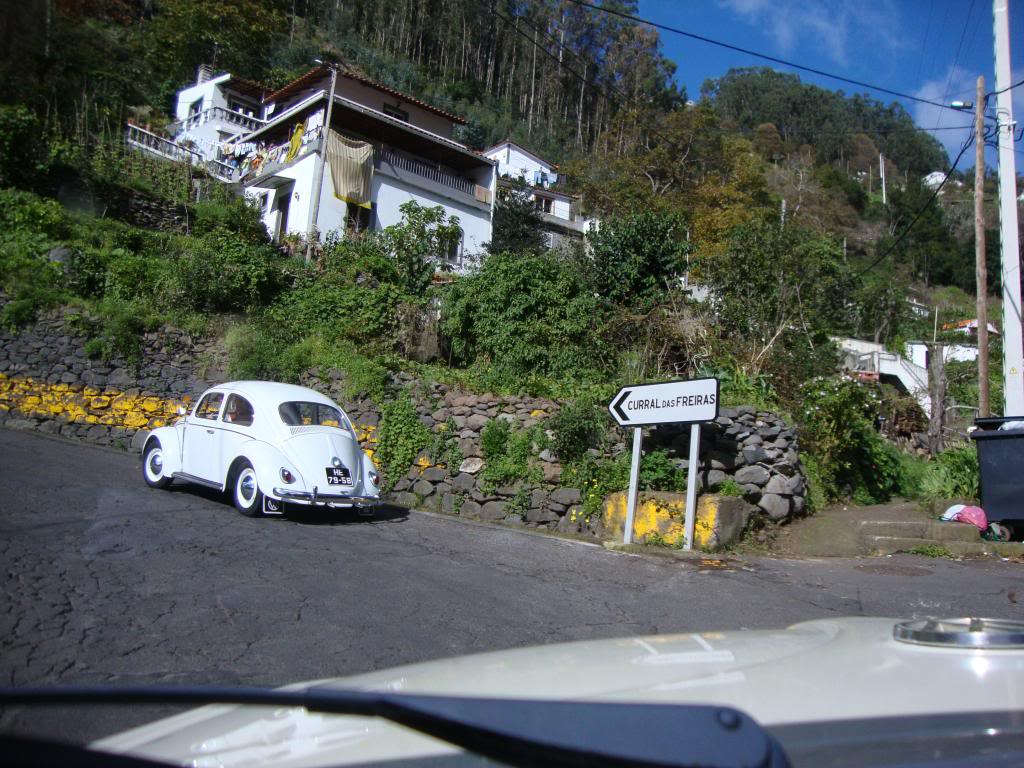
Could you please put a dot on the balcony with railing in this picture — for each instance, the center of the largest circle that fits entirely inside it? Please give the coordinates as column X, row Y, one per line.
column 168, row 149
column 399, row 163
column 245, row 123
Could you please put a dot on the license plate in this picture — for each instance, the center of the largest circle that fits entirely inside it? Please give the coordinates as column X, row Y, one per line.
column 338, row 476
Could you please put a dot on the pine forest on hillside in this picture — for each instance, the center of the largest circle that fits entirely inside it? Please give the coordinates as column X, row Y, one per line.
column 761, row 188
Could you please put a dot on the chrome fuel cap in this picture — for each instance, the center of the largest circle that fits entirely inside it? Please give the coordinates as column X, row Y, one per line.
column 962, row 633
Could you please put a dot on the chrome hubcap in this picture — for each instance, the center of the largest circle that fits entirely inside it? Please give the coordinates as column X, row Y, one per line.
column 247, row 486
column 156, row 463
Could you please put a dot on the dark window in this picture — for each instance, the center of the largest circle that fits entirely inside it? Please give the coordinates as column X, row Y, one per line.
column 358, row 219
column 543, row 203
column 300, row 414
column 395, row 112
column 195, row 107
column 238, row 411
column 209, row 406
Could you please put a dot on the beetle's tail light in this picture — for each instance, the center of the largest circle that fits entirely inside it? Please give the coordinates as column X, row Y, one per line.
column 287, row 476
column 374, row 477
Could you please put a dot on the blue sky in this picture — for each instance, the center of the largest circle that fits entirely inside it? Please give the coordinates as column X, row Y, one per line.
column 909, row 46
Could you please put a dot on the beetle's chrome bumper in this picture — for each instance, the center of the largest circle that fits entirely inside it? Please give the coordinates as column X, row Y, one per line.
column 326, row 499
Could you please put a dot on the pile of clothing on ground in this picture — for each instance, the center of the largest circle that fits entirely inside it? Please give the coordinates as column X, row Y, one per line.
column 963, row 513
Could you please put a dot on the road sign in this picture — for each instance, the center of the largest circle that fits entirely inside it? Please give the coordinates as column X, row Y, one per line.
column 674, row 402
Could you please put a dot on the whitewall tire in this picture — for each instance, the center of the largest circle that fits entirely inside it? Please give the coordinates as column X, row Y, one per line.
column 153, row 466
column 246, row 491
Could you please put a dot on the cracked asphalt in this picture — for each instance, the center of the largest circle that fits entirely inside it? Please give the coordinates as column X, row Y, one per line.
column 107, row 580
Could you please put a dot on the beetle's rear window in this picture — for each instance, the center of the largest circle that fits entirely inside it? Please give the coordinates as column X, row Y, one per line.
column 300, row 414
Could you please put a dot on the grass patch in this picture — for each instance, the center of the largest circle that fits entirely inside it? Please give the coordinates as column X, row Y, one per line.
column 931, row 550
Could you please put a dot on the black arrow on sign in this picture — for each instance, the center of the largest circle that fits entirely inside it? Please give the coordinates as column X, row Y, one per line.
column 617, row 405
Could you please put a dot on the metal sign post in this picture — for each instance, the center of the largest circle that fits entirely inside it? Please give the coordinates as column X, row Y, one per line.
column 691, row 485
column 675, row 402
column 634, row 485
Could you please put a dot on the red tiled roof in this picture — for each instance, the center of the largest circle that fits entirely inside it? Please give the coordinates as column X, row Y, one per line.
column 321, row 71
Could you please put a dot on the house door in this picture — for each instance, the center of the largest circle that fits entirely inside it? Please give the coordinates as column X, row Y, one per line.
column 282, row 202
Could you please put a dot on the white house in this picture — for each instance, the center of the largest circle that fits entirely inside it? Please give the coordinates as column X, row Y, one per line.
column 559, row 210
column 385, row 148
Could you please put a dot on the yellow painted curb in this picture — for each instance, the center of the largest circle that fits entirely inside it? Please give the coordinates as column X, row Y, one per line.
column 660, row 518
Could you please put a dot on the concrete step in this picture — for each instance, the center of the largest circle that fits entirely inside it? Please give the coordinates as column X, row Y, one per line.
column 924, row 528
column 887, row 545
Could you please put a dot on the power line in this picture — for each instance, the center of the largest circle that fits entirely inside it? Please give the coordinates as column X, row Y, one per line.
column 757, row 54
column 920, row 213
column 1007, row 88
column 956, row 58
column 746, row 132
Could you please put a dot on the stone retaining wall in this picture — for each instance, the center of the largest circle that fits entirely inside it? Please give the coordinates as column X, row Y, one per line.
column 48, row 383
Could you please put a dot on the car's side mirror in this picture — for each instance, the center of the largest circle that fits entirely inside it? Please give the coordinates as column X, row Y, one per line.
column 181, row 410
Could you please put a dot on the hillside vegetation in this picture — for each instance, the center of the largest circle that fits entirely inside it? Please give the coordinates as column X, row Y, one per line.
column 760, row 188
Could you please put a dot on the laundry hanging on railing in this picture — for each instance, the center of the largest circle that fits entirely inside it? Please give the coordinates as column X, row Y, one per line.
column 351, row 164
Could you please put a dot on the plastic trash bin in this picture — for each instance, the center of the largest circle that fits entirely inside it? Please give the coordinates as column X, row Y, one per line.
column 1001, row 465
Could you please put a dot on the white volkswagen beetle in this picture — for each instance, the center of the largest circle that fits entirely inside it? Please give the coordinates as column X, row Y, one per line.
column 266, row 444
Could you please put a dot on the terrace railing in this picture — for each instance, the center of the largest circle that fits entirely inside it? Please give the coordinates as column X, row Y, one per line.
column 220, row 114
column 171, row 150
column 427, row 171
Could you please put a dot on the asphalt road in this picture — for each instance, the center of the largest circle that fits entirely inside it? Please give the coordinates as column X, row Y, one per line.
column 107, row 580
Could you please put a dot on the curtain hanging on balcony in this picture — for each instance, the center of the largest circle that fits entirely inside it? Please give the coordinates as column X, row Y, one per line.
column 351, row 168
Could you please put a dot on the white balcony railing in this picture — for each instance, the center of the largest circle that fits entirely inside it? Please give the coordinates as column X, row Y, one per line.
column 171, row 150
column 433, row 173
column 228, row 116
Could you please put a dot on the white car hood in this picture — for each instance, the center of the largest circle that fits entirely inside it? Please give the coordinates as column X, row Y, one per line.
column 815, row 671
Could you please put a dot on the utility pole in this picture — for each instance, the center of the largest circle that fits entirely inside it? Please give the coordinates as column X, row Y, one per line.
column 1009, row 237
column 980, row 272
column 318, row 180
column 881, row 173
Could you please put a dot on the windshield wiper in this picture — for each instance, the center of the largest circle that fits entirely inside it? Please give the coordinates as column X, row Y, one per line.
column 514, row 731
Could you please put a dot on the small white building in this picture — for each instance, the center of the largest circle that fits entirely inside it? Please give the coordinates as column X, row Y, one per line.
column 559, row 210
column 385, row 148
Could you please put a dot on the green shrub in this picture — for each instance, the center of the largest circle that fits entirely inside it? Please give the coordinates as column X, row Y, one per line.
column 24, row 212
column 596, row 479
column 116, row 329
column 578, row 426
column 259, row 351
column 494, row 438
column 401, row 437
column 837, row 419
column 509, row 454
column 526, row 317
column 220, row 273
column 31, row 281
column 445, row 448
column 730, row 488
column 952, row 474
column 21, row 147
column 238, row 215
column 658, row 472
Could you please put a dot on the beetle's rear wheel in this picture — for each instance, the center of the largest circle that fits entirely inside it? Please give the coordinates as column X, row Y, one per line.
column 247, row 493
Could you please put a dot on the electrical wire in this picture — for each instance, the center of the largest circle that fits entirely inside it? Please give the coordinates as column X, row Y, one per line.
column 721, row 131
column 1007, row 88
column 956, row 59
column 757, row 54
column 920, row 213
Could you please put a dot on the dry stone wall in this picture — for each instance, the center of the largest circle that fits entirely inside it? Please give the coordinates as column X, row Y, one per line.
column 48, row 383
